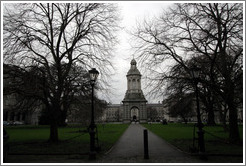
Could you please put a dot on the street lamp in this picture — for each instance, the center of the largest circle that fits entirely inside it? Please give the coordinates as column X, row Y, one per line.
column 195, row 72
column 93, row 76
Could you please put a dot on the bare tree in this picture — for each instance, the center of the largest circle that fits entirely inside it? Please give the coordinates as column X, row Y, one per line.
column 214, row 31
column 54, row 37
column 181, row 105
column 179, row 82
column 81, row 109
column 152, row 114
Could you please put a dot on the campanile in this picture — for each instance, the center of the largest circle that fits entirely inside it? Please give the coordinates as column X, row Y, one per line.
column 134, row 102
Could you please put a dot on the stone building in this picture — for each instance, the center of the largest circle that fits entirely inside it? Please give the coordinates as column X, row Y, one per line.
column 134, row 106
column 12, row 110
column 134, row 102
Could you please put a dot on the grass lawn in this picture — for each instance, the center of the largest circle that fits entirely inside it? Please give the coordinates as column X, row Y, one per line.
column 31, row 140
column 181, row 136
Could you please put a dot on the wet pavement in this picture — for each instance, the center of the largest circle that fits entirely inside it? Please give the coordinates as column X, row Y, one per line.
column 130, row 149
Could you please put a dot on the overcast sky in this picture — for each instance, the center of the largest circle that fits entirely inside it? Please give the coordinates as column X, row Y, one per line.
column 130, row 13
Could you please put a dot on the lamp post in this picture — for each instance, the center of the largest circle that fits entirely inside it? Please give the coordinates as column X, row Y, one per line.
column 93, row 76
column 195, row 71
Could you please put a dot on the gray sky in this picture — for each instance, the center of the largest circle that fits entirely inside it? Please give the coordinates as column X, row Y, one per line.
column 130, row 13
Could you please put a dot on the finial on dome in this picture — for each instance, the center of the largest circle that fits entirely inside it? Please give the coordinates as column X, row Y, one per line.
column 133, row 62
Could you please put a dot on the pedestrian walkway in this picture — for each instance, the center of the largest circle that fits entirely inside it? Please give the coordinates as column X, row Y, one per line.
column 130, row 149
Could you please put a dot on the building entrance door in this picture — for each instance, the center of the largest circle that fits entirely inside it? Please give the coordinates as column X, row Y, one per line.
column 134, row 114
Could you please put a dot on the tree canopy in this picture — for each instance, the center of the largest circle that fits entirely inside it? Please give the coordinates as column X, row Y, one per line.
column 57, row 40
column 187, row 33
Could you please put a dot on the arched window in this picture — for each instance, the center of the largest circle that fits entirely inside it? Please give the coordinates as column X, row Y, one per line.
column 134, row 84
column 138, row 83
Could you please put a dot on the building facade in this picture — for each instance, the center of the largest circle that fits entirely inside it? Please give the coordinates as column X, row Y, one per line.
column 13, row 109
column 134, row 106
column 134, row 102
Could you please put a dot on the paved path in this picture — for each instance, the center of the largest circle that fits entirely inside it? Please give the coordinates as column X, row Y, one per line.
column 129, row 149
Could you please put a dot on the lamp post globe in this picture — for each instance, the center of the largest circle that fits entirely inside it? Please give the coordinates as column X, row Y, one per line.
column 93, row 77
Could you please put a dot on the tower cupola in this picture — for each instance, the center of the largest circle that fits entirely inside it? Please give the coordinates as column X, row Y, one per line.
column 133, row 62
column 134, row 90
column 133, row 70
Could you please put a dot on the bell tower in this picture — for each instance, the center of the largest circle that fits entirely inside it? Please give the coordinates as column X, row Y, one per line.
column 134, row 102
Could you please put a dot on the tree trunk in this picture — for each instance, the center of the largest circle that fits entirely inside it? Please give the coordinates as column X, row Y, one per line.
column 184, row 119
column 223, row 119
column 54, row 125
column 230, row 101
column 211, row 121
column 53, row 132
column 233, row 125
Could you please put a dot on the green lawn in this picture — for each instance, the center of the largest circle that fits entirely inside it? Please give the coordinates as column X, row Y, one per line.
column 73, row 140
column 181, row 136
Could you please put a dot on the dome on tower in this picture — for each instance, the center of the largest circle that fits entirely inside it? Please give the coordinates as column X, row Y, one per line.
column 133, row 70
column 133, row 62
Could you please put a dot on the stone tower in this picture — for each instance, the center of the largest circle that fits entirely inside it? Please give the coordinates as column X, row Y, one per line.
column 134, row 102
